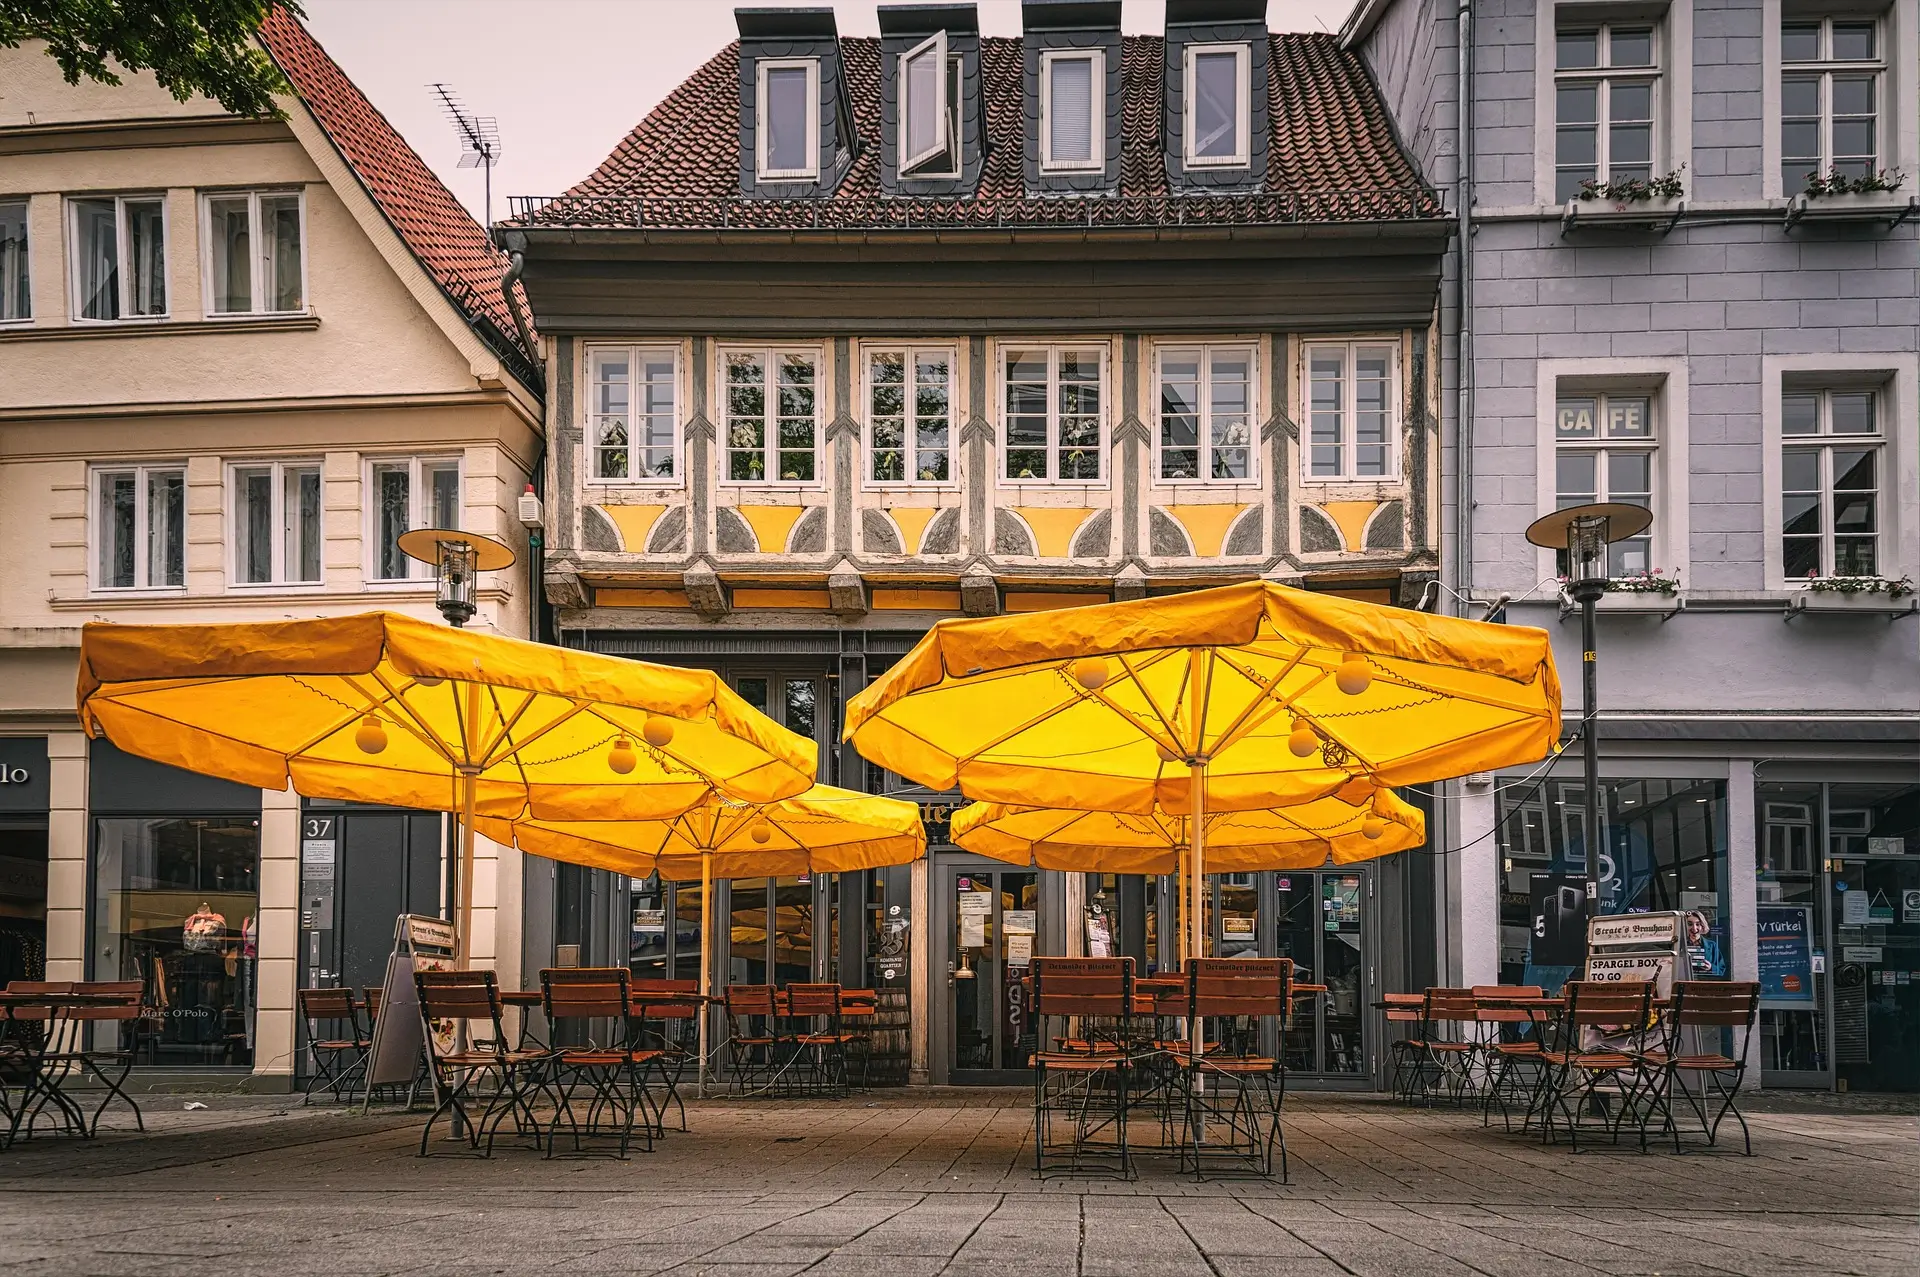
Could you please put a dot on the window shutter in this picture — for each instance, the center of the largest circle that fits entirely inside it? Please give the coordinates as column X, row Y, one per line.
column 1070, row 111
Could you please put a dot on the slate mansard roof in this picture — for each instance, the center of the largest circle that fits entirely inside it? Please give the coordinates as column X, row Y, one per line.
column 1333, row 157
column 435, row 226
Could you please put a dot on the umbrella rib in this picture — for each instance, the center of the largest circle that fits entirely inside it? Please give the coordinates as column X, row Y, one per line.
column 1265, row 708
column 507, row 724
column 407, row 719
column 1153, row 702
column 1230, row 735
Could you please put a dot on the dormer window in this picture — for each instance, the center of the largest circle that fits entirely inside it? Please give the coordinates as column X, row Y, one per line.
column 1218, row 105
column 1073, row 123
column 788, row 126
column 930, row 110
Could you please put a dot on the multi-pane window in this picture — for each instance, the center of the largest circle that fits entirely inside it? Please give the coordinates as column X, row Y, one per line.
column 772, row 416
column 910, row 415
column 787, row 130
column 139, row 532
column 1206, row 412
column 1072, row 92
column 1053, row 422
column 1218, row 104
column 1830, row 75
column 276, row 523
column 1352, row 407
column 1605, row 83
column 410, row 493
column 631, row 415
column 16, row 301
column 119, row 257
column 254, row 253
column 929, row 110
column 1830, row 477
column 1604, row 451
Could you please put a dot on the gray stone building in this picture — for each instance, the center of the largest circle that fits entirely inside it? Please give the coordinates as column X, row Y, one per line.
column 1690, row 283
column 850, row 335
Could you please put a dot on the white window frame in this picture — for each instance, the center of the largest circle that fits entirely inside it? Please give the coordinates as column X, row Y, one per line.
column 1826, row 490
column 1396, row 392
column 1243, row 107
column 1824, row 69
column 590, row 418
column 7, row 286
column 258, row 265
column 1097, row 108
column 1673, row 104
column 1666, row 382
column 762, row 169
column 770, row 416
column 919, row 165
column 1601, row 445
column 910, row 448
column 420, row 509
column 1604, row 77
column 143, row 472
column 123, row 276
column 1102, row 450
column 1206, row 352
column 277, row 468
column 1897, row 378
column 1899, row 99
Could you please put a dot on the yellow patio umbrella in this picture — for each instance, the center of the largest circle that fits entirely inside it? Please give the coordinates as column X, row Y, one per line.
column 1243, row 697
column 384, row 708
column 1301, row 837
column 824, row 830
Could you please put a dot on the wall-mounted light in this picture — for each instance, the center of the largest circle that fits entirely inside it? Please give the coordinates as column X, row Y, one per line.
column 457, row 558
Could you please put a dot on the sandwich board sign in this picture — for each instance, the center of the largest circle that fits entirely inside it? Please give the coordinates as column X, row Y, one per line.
column 420, row 943
column 1637, row 946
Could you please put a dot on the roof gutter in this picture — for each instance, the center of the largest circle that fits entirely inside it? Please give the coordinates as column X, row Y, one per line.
column 516, row 266
column 1463, row 332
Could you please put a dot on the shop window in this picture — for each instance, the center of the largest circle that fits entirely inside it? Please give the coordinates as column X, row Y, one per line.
column 1665, row 849
column 176, row 906
column 254, row 254
column 119, row 258
column 16, row 299
column 276, row 524
column 410, row 493
column 139, row 528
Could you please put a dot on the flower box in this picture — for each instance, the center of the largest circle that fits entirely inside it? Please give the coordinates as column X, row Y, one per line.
column 1637, row 602
column 1892, row 207
column 1862, row 602
column 1653, row 214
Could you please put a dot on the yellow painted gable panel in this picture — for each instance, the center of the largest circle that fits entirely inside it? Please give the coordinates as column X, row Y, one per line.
column 913, row 521
column 1206, row 525
column 634, row 522
column 771, row 524
column 1053, row 528
column 1351, row 516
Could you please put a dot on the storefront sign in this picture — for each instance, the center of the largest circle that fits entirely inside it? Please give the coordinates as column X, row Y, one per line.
column 1634, row 929
column 1236, row 928
column 1020, row 922
column 650, row 922
column 1657, row 967
column 1866, row 954
column 1785, row 956
column 23, row 774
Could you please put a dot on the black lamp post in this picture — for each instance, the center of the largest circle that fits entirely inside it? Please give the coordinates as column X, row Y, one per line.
column 457, row 558
column 1584, row 532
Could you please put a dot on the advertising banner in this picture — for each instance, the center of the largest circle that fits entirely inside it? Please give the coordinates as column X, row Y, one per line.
column 1561, row 905
column 1786, row 956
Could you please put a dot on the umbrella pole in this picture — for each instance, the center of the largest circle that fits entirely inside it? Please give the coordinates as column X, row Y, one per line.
column 463, row 923
column 1196, row 872
column 706, row 959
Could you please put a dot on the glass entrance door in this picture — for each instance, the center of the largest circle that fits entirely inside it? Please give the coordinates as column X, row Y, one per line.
column 1875, row 907
column 1322, row 925
column 992, row 926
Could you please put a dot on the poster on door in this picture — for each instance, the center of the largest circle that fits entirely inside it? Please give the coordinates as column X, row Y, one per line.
column 1785, row 956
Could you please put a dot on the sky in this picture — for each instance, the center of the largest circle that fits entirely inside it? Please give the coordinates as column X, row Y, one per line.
column 567, row 79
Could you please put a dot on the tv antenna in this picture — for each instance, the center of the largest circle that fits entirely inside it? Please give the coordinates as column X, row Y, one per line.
column 479, row 138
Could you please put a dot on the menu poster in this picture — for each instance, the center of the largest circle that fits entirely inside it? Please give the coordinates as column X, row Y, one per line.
column 1020, row 949
column 1020, row 922
column 1853, row 908
column 1785, row 956
column 1099, row 939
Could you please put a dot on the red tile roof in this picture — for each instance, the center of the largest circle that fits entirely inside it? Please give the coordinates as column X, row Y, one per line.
column 439, row 231
column 1333, row 155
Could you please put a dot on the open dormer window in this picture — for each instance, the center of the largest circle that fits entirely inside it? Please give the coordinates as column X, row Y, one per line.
column 929, row 110
column 1072, row 132
column 789, row 123
column 1217, row 105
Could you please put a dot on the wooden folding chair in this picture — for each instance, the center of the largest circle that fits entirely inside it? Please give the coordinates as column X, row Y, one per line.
column 1506, row 1056
column 616, row 1074
column 753, row 1037
column 678, row 1034
column 1703, row 1009
column 466, row 997
column 1082, row 1010
column 1233, row 1092
column 110, row 1066
column 812, row 1024
column 337, row 1059
column 1597, row 1067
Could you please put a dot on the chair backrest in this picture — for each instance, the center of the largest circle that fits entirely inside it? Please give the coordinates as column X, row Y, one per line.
column 1505, row 1015
column 1610, row 1004
column 326, row 1004
column 584, row 993
column 127, row 997
column 1445, row 1005
column 808, row 1000
column 1239, row 986
column 750, row 999
column 373, row 994
column 1082, row 986
column 458, row 995
column 1405, row 1008
column 1727, row 1003
column 639, row 988
column 36, row 986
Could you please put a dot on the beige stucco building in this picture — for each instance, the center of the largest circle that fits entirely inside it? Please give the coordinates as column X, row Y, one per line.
column 237, row 359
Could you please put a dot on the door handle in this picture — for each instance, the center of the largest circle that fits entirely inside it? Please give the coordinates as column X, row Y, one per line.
column 950, row 977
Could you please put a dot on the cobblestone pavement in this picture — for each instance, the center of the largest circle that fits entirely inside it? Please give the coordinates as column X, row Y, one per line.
column 912, row 1184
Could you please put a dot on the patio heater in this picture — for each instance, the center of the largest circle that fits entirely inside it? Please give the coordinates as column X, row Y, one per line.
column 457, row 558
column 1585, row 532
